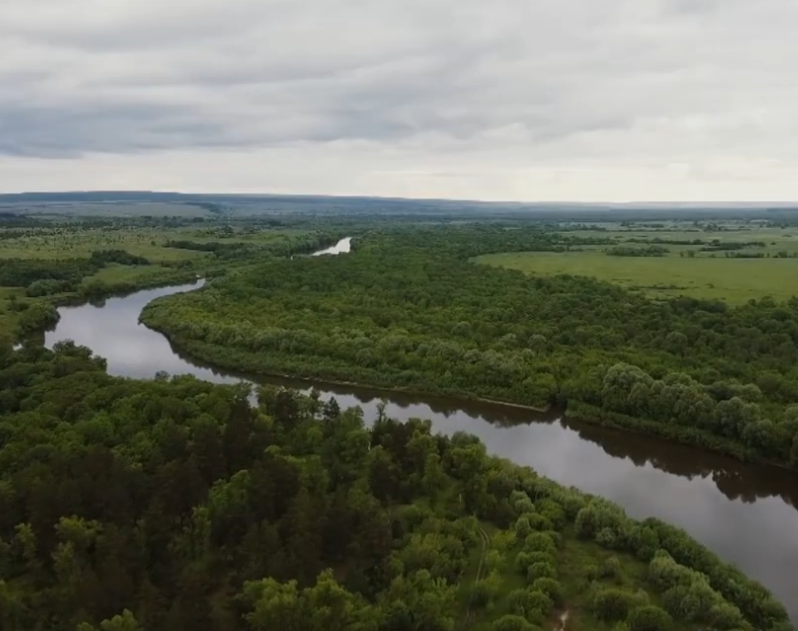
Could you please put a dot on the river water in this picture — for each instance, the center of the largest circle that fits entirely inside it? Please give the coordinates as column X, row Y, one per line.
column 745, row 513
column 344, row 246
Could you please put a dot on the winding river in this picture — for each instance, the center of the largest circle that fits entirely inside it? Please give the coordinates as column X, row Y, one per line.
column 745, row 513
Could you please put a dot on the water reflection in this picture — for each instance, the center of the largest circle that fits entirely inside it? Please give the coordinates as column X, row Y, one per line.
column 743, row 512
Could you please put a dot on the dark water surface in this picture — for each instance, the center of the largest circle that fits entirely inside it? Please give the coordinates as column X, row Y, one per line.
column 745, row 513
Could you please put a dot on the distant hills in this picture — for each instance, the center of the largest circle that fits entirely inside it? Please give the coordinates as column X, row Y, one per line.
column 249, row 203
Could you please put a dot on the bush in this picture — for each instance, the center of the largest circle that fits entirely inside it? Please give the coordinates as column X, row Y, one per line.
column 726, row 616
column 522, row 562
column 592, row 572
column 552, row 511
column 534, row 606
column 513, row 623
column 540, row 570
column 665, row 573
column 611, row 604
column 644, row 542
column 540, row 542
column 611, row 568
column 556, row 538
column 551, row 588
column 649, row 619
column 606, row 538
column 541, row 557
column 522, row 527
column 539, row 522
column 480, row 595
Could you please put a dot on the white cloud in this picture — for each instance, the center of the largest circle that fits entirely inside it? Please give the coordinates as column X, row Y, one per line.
column 574, row 99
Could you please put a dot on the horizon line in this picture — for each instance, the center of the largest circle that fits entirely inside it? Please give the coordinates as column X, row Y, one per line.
column 681, row 202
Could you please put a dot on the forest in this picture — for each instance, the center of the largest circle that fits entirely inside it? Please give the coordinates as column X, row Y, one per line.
column 408, row 309
column 177, row 504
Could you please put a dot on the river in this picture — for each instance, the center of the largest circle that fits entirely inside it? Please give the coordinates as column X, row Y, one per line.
column 745, row 513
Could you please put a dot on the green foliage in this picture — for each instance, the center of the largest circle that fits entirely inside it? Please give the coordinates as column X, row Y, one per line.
column 612, row 604
column 532, row 604
column 36, row 317
column 513, row 623
column 540, row 542
column 551, row 588
column 407, row 310
column 652, row 250
column 611, row 568
column 540, row 570
column 649, row 618
column 324, row 606
column 183, row 506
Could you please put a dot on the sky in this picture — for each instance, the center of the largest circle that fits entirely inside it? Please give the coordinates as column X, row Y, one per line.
column 534, row 100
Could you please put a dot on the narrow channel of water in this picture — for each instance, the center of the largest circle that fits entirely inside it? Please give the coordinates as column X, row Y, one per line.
column 745, row 513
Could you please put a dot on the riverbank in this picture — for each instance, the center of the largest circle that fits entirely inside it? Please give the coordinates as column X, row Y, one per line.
column 240, row 364
column 31, row 316
column 234, row 359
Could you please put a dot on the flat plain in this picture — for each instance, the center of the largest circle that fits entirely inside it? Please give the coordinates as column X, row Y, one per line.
column 685, row 270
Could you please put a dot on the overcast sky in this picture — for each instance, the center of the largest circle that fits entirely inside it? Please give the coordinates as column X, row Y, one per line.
column 487, row 99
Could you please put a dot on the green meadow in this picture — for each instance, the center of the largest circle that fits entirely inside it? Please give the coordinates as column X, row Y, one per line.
column 685, row 270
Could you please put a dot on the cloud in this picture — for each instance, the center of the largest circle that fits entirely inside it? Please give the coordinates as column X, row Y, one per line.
column 577, row 99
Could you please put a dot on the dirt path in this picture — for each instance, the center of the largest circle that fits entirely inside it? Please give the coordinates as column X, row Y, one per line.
column 562, row 621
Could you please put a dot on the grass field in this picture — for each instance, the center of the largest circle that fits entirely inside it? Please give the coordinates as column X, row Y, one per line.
column 146, row 242
column 733, row 280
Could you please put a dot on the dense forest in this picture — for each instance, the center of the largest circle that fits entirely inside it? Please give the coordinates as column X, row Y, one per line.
column 177, row 504
column 409, row 310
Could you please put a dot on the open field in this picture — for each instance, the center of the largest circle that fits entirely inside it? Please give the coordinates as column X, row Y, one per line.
column 106, row 209
column 733, row 280
column 149, row 242
column 774, row 239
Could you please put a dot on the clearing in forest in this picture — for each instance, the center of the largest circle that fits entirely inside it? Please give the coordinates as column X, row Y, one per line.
column 734, row 280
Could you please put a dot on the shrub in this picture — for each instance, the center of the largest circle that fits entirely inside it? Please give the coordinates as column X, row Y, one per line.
column 726, row 616
column 540, row 570
column 552, row 511
column 480, row 595
column 513, row 623
column 551, row 588
column 611, row 568
column 606, row 538
column 522, row 527
column 612, row 604
column 556, row 538
column 534, row 606
column 539, row 522
column 649, row 618
column 522, row 562
column 540, row 542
